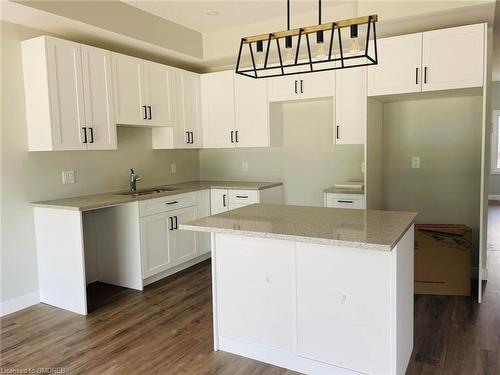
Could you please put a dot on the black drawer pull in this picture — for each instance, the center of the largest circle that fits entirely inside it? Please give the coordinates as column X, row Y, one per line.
column 176, row 223
column 342, row 201
column 145, row 115
column 170, row 223
column 242, row 196
column 224, row 200
column 173, row 202
column 150, row 114
column 84, row 135
column 91, row 135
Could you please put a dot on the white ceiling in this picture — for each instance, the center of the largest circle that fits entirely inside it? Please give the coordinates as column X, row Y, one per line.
column 193, row 13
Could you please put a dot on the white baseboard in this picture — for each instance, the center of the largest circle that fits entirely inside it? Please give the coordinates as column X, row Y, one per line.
column 494, row 197
column 475, row 273
column 15, row 304
column 280, row 358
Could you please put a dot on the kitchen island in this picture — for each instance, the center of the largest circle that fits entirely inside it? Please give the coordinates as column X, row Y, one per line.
column 315, row 290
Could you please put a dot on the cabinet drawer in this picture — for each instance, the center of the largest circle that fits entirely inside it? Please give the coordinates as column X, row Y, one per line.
column 243, row 196
column 163, row 204
column 345, row 201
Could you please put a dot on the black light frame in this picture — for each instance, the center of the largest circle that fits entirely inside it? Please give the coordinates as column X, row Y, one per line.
column 335, row 29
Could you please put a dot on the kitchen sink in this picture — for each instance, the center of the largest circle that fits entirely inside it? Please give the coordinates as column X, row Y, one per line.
column 138, row 193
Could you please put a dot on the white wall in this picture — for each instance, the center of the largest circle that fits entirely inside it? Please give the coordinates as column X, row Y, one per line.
column 31, row 176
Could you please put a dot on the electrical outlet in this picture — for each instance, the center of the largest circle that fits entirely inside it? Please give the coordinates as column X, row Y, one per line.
column 173, row 166
column 415, row 162
column 244, row 166
column 68, row 177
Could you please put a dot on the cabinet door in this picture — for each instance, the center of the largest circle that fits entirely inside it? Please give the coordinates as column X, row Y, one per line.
column 316, row 85
column 203, row 210
column 453, row 58
column 97, row 85
column 350, row 106
column 217, row 92
column 160, row 94
column 252, row 112
column 219, row 201
column 190, row 135
column 66, row 94
column 399, row 66
column 128, row 90
column 284, row 88
column 157, row 243
column 186, row 248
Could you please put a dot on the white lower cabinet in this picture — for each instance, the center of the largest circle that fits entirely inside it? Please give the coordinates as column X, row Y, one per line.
column 163, row 244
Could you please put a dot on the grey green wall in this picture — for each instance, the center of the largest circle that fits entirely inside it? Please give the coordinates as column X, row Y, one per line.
column 495, row 106
column 307, row 162
column 446, row 134
column 30, row 176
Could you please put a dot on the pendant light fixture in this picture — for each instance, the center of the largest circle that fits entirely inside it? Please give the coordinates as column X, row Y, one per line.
column 339, row 45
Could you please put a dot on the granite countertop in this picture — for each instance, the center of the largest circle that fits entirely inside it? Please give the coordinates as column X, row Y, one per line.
column 96, row 201
column 335, row 190
column 363, row 229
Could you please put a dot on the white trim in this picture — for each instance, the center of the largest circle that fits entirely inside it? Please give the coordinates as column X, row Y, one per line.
column 494, row 197
column 494, row 142
column 15, row 304
column 475, row 273
column 281, row 358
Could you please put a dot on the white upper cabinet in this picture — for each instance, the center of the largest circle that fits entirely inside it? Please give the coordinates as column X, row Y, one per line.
column 399, row 66
column 252, row 112
column 97, row 89
column 453, row 58
column 434, row 60
column 316, row 85
column 145, row 92
column 67, row 106
column 217, row 93
column 190, row 134
column 128, row 90
column 160, row 94
column 302, row 86
column 350, row 106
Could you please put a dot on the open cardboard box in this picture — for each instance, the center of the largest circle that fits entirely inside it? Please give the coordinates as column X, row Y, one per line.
column 442, row 259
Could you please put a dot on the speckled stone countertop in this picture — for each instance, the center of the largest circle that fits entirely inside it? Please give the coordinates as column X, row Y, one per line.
column 96, row 201
column 362, row 229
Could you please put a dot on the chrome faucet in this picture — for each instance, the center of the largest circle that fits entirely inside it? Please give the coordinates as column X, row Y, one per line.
column 133, row 180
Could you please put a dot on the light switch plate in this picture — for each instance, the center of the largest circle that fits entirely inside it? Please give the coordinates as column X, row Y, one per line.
column 68, row 177
column 244, row 166
column 415, row 162
column 173, row 166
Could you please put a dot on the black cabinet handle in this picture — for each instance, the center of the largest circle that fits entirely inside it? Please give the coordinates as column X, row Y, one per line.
column 192, row 137
column 342, row 201
column 224, row 200
column 301, row 86
column 170, row 223
column 425, row 75
column 91, row 135
column 232, row 136
column 236, row 134
column 337, row 135
column 150, row 116
column 416, row 76
column 172, row 202
column 296, row 87
column 176, row 223
column 145, row 115
column 242, row 196
column 187, row 135
column 84, row 134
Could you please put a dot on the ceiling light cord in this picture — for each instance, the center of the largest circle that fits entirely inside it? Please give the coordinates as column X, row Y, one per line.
column 288, row 14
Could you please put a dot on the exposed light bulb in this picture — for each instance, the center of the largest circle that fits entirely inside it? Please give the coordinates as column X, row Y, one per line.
column 355, row 46
column 289, row 56
column 320, row 52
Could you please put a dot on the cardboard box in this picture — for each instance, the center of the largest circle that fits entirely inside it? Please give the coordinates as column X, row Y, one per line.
column 442, row 259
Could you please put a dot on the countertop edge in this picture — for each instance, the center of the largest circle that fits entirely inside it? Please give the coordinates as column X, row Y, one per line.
column 289, row 237
column 215, row 185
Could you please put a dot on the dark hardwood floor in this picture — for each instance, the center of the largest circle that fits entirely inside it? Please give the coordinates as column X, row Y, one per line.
column 167, row 329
